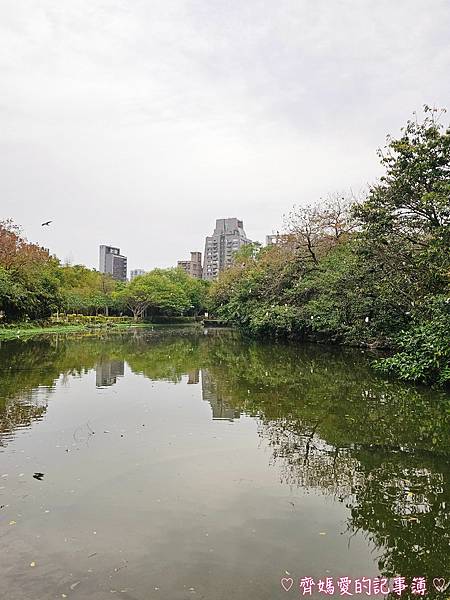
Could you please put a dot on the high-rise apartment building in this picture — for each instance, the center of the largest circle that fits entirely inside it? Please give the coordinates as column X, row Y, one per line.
column 228, row 237
column 192, row 267
column 113, row 263
column 136, row 272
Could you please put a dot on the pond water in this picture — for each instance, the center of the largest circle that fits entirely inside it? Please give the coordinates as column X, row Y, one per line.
column 188, row 464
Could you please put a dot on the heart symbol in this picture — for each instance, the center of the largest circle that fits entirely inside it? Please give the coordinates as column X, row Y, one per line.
column 440, row 585
column 287, row 583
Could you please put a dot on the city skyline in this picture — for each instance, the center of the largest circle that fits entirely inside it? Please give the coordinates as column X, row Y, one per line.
column 130, row 123
column 228, row 237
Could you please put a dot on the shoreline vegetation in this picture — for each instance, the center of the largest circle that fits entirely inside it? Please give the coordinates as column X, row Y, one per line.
column 369, row 270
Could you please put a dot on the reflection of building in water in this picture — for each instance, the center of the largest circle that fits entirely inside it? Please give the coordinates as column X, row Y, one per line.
column 211, row 392
column 193, row 376
column 108, row 371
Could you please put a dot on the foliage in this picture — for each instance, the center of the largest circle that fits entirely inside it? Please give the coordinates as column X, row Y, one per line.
column 163, row 291
column 361, row 272
column 423, row 349
column 86, row 291
column 28, row 282
column 316, row 228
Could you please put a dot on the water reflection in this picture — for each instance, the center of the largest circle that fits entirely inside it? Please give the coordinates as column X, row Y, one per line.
column 221, row 406
column 378, row 447
column 193, row 377
column 108, row 371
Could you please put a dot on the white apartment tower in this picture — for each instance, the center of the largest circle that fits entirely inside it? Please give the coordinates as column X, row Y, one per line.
column 228, row 237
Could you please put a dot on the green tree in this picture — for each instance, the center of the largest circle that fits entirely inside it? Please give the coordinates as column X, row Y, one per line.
column 29, row 286
column 163, row 291
column 86, row 291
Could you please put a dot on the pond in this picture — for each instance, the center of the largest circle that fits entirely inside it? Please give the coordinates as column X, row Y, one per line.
column 180, row 463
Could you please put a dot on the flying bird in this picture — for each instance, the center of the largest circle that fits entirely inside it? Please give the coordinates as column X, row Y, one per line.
column 46, row 223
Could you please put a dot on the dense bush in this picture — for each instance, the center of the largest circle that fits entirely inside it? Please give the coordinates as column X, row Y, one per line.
column 423, row 350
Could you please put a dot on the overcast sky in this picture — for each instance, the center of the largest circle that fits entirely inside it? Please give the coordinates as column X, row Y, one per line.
column 137, row 123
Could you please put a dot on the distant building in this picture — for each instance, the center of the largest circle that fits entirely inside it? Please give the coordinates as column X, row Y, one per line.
column 192, row 267
column 228, row 237
column 136, row 272
column 285, row 240
column 272, row 239
column 112, row 262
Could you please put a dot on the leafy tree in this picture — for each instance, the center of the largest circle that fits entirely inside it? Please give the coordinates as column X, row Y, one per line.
column 406, row 217
column 87, row 291
column 424, row 348
column 316, row 228
column 29, row 287
column 163, row 291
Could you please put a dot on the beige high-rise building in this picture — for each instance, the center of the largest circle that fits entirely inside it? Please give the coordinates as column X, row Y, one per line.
column 228, row 237
column 192, row 267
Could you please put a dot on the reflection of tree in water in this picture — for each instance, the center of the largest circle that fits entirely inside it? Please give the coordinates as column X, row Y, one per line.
column 24, row 368
column 380, row 447
column 29, row 369
column 16, row 413
column 307, row 461
column 404, row 505
column 399, row 500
